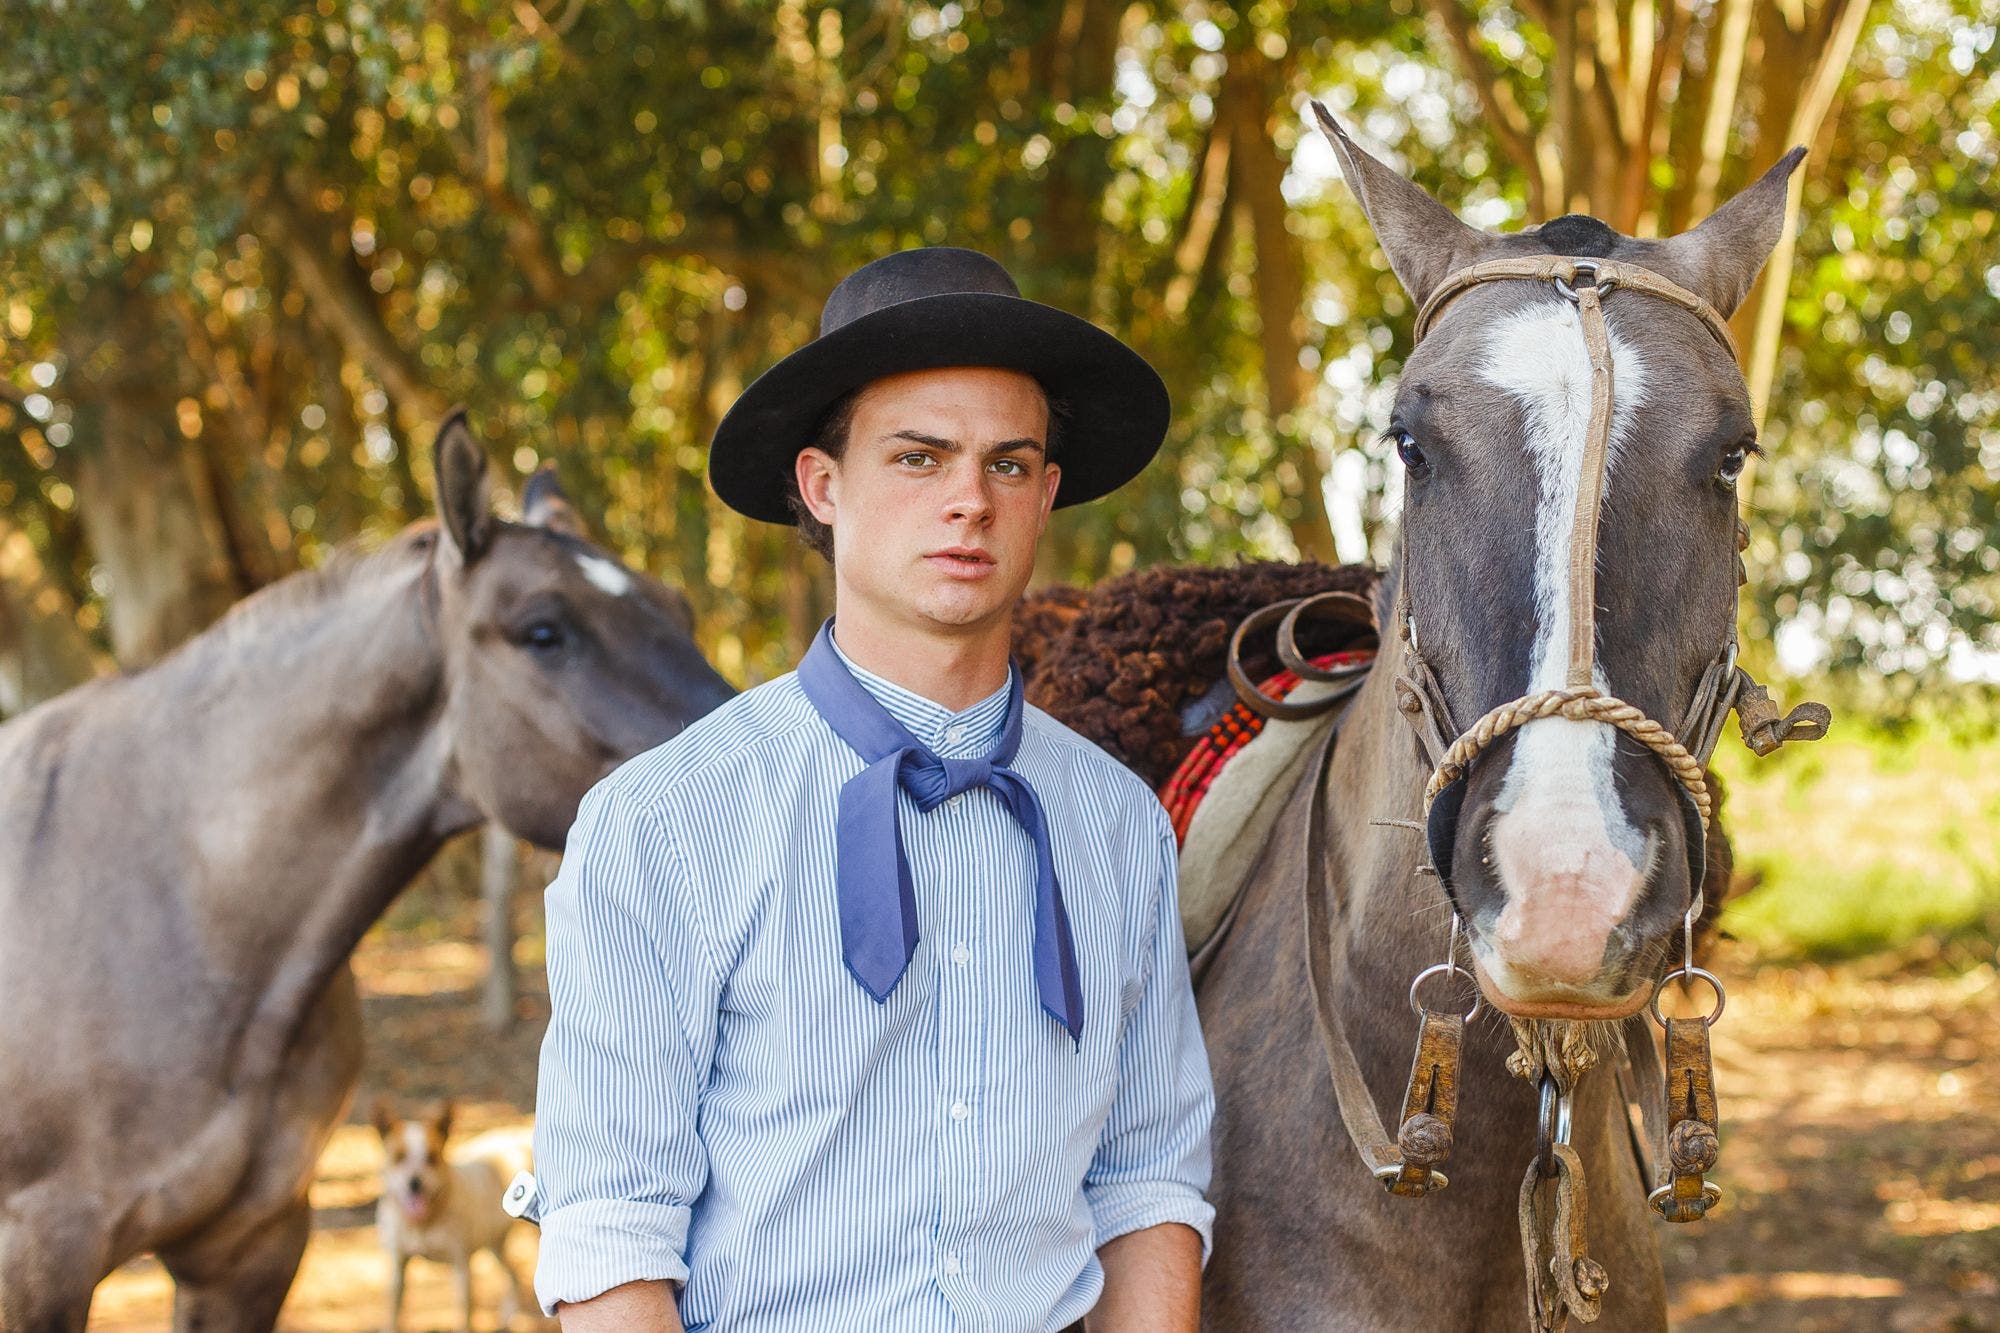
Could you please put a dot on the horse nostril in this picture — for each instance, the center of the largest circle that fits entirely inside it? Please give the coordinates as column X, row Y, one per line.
column 416, row 1185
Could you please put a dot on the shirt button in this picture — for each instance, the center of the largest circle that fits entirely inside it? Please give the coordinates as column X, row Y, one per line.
column 959, row 1110
column 951, row 1265
column 954, row 735
column 960, row 954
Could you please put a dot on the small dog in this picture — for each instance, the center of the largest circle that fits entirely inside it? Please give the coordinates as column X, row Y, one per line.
column 445, row 1205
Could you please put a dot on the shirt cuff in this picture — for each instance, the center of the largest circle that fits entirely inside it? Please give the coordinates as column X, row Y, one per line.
column 594, row 1245
column 1119, row 1210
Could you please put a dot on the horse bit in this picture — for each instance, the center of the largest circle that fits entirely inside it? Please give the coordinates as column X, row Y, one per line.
column 1681, row 1105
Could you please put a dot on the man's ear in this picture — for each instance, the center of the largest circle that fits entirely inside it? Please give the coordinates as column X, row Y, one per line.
column 1051, row 482
column 815, row 471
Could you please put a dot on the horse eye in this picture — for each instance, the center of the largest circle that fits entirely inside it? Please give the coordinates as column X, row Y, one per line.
column 1733, row 463
column 543, row 635
column 1407, row 450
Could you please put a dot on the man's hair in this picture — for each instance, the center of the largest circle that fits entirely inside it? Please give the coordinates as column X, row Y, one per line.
column 831, row 439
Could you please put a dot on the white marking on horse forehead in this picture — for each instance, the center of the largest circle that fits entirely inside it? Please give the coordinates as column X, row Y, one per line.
column 607, row 575
column 1539, row 357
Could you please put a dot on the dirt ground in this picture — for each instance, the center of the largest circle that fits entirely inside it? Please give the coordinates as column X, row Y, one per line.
column 1861, row 1144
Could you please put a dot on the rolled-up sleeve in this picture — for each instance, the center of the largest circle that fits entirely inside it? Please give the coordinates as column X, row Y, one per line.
column 1152, row 1162
column 633, row 996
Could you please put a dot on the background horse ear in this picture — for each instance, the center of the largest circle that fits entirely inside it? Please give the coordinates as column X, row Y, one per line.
column 464, row 490
column 380, row 1116
column 1424, row 240
column 543, row 504
column 1718, row 260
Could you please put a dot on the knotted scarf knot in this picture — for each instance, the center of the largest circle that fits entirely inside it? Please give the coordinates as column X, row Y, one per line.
column 877, row 900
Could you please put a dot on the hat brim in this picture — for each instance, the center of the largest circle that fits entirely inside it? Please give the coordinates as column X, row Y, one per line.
column 1118, row 407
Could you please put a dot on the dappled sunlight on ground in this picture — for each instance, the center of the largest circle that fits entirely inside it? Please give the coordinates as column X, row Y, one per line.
column 1861, row 1123
column 1860, row 1162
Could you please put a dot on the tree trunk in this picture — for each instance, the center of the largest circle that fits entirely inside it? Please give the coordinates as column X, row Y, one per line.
column 1251, row 86
column 142, row 495
column 499, row 876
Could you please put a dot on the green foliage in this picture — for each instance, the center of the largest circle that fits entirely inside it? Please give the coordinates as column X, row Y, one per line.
column 1886, row 442
column 1868, row 839
column 595, row 221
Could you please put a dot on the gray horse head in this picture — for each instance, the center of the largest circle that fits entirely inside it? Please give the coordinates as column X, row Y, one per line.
column 1571, row 864
column 560, row 661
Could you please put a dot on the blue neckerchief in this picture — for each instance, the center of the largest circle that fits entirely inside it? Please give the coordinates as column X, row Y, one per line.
column 878, row 905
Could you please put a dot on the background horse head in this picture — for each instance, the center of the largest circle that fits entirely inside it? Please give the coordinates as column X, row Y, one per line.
column 1575, row 856
column 560, row 661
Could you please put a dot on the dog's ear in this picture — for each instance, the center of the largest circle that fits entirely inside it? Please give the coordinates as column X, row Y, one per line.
column 440, row 1120
column 381, row 1117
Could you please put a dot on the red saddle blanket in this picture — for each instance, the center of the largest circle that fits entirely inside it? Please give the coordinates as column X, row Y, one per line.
column 1236, row 728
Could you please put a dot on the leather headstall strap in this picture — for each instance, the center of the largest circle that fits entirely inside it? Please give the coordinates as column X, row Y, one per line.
column 1408, row 1165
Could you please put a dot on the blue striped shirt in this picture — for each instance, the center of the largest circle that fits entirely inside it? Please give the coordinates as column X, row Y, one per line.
column 721, row 1104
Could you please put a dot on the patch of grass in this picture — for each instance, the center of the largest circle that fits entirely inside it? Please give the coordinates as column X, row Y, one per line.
column 1867, row 840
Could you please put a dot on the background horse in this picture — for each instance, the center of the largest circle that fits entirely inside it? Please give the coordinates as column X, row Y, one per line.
column 191, row 853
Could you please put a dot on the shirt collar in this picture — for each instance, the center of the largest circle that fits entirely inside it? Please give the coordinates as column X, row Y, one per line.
column 966, row 734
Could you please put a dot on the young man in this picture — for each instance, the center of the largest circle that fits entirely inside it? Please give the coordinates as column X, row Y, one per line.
column 870, row 1004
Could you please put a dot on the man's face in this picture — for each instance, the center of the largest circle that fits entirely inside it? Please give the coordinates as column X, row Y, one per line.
column 940, row 496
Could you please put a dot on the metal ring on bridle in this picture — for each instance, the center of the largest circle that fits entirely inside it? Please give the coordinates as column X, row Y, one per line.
column 1552, row 1124
column 1690, row 972
column 1434, row 969
column 1584, row 266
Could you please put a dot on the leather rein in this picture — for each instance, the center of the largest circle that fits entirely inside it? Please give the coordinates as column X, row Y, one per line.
column 1680, row 1111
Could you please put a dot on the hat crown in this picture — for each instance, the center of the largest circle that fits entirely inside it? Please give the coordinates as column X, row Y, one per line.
column 908, row 275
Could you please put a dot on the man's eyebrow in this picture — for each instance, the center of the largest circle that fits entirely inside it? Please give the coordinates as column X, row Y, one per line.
column 1010, row 446
column 918, row 437
column 953, row 446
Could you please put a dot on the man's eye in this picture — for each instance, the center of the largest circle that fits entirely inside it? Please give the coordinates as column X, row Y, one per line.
column 1012, row 467
column 914, row 460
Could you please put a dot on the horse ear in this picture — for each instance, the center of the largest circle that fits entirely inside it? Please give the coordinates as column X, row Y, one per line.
column 1425, row 242
column 1719, row 259
column 543, row 504
column 381, row 1117
column 464, row 489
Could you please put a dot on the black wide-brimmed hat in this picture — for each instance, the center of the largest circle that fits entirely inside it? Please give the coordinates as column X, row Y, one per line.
column 923, row 310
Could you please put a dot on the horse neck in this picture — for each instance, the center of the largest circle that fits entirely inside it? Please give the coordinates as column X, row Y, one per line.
column 322, row 786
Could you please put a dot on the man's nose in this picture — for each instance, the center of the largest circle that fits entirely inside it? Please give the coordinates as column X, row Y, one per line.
column 971, row 500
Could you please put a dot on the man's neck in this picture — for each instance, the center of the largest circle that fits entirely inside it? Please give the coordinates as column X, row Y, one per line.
column 955, row 669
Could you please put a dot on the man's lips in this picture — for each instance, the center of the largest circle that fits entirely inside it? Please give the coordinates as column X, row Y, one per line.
column 962, row 561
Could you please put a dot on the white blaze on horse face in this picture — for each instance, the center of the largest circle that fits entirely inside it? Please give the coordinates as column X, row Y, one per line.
column 606, row 575
column 1569, row 862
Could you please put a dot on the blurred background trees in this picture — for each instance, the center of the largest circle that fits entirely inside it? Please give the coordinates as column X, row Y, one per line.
column 253, row 251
